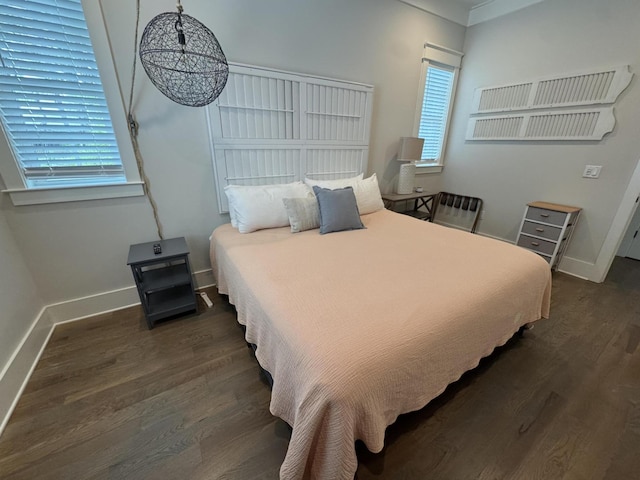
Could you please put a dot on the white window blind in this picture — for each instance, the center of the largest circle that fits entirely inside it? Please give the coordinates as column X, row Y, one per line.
column 52, row 103
column 440, row 67
column 435, row 110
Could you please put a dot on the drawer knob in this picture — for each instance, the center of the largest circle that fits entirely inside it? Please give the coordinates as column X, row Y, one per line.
column 539, row 229
column 545, row 215
column 535, row 244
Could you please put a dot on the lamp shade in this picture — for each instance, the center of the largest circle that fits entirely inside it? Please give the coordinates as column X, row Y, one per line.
column 410, row 149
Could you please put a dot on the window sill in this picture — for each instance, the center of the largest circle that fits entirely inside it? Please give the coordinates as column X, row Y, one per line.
column 428, row 169
column 38, row 196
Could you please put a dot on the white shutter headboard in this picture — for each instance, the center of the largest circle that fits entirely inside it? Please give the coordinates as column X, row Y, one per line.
column 269, row 126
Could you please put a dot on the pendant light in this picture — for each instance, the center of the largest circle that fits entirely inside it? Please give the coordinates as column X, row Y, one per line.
column 183, row 59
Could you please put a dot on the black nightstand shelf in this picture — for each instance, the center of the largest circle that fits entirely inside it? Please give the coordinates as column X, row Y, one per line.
column 158, row 279
column 170, row 302
column 164, row 280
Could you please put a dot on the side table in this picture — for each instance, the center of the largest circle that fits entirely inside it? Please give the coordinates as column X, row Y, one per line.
column 163, row 280
column 546, row 229
column 422, row 206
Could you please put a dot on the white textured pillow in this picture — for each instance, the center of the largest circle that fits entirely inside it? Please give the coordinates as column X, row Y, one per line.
column 333, row 184
column 368, row 196
column 303, row 213
column 259, row 207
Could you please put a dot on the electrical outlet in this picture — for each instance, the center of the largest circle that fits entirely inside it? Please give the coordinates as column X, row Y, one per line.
column 482, row 214
column 592, row 171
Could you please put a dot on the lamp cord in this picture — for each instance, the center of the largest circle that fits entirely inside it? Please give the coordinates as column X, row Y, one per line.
column 133, row 132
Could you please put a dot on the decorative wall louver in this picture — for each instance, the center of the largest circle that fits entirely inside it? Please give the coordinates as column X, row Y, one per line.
column 270, row 127
column 559, row 93
column 592, row 88
column 589, row 124
column 499, row 99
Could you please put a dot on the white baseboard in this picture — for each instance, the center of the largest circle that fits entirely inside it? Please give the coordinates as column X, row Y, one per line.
column 496, row 238
column 105, row 302
column 579, row 268
column 570, row 266
column 18, row 370
column 16, row 374
column 84, row 307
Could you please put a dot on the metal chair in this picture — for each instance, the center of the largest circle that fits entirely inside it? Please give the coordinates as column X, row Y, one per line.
column 457, row 211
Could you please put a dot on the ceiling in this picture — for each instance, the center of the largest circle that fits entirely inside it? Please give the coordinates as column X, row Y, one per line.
column 470, row 3
column 470, row 12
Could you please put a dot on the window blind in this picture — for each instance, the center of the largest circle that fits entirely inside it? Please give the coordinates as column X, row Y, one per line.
column 52, row 104
column 435, row 108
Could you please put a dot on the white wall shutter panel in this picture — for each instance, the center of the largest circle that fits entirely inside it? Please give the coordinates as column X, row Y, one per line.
column 591, row 88
column 584, row 90
column 589, row 124
column 270, row 126
column 52, row 105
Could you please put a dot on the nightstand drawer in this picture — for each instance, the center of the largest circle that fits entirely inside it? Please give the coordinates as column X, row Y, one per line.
column 542, row 246
column 544, row 231
column 546, row 216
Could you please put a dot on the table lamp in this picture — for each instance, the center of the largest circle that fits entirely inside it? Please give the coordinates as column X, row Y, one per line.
column 410, row 151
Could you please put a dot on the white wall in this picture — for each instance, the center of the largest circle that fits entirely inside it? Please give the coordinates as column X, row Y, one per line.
column 551, row 37
column 20, row 306
column 19, row 297
column 80, row 248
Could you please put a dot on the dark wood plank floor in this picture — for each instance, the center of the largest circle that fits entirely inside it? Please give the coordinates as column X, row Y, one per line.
column 112, row 400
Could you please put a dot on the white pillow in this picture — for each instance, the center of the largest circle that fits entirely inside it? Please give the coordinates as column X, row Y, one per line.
column 303, row 213
column 333, row 184
column 368, row 196
column 367, row 191
column 258, row 207
column 232, row 210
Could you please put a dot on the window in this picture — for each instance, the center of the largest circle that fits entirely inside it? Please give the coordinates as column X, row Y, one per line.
column 53, row 110
column 437, row 87
column 435, row 111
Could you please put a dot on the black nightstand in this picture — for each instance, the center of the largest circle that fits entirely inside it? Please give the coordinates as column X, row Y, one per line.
column 163, row 279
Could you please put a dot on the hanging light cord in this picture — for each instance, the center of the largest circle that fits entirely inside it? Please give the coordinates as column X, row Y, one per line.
column 133, row 132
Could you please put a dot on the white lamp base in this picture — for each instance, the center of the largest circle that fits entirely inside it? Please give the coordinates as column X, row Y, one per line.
column 406, row 178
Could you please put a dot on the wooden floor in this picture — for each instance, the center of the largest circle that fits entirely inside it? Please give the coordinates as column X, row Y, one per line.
column 112, row 400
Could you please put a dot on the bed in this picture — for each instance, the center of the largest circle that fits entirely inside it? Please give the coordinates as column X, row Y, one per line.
column 358, row 327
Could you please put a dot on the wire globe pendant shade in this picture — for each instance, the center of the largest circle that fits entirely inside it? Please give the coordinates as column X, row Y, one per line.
column 183, row 59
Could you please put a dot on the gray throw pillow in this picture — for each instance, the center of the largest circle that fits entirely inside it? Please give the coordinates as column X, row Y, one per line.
column 338, row 209
column 303, row 213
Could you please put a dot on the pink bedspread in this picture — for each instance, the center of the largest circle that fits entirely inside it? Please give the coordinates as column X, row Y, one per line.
column 359, row 327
